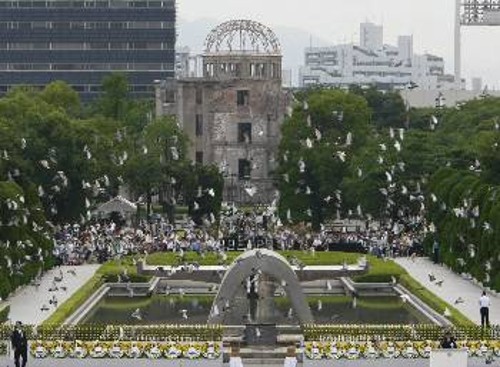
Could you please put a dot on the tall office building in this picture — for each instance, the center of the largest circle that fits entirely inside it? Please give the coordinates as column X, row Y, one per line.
column 80, row 42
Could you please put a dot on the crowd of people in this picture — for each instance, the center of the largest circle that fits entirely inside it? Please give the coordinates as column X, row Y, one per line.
column 99, row 241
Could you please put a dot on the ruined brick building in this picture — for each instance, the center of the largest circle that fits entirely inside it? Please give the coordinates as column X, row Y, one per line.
column 233, row 113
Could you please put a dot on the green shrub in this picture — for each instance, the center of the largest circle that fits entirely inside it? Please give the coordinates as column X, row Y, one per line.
column 4, row 314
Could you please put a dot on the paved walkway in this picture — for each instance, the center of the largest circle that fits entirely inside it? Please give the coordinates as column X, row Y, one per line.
column 473, row 362
column 453, row 287
column 25, row 305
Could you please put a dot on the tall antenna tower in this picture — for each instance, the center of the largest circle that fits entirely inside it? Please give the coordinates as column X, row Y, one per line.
column 472, row 13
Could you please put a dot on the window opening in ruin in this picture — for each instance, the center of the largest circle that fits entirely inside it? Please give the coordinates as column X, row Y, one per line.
column 245, row 132
column 199, row 96
column 242, row 97
column 199, row 125
column 199, row 157
column 244, row 169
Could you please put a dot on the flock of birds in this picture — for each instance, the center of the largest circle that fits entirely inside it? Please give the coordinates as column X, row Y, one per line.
column 56, row 183
column 341, row 153
column 57, row 285
column 391, row 162
column 59, row 182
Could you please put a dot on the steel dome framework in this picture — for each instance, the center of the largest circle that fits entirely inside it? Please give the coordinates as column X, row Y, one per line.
column 242, row 36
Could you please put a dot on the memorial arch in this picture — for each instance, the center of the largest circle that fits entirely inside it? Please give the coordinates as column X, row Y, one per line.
column 265, row 262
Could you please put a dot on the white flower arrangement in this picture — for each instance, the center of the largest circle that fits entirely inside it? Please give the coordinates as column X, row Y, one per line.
column 353, row 352
column 192, row 352
column 389, row 349
column 173, row 352
column 98, row 351
column 59, row 350
column 335, row 351
column 116, row 351
column 426, row 349
column 409, row 351
column 370, row 351
column 211, row 352
column 314, row 352
column 153, row 351
column 134, row 351
column 79, row 351
column 40, row 351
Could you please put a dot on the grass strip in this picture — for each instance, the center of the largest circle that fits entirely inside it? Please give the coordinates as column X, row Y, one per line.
column 75, row 301
column 433, row 301
column 4, row 313
column 212, row 258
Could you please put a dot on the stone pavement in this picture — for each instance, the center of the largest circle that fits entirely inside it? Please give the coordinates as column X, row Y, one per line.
column 454, row 286
column 5, row 362
column 26, row 303
column 473, row 362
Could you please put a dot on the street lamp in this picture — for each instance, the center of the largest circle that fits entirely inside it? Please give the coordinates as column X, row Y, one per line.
column 409, row 87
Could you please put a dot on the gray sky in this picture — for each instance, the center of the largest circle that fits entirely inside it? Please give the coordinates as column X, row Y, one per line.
column 430, row 22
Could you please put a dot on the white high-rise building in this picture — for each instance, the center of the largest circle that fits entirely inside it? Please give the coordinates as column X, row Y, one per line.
column 371, row 36
column 374, row 63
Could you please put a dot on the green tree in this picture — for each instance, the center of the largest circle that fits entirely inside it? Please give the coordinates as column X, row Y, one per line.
column 325, row 130
column 114, row 100
column 60, row 94
column 388, row 108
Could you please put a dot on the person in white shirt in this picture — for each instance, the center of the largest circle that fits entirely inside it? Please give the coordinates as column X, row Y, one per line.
column 484, row 309
column 291, row 358
column 235, row 359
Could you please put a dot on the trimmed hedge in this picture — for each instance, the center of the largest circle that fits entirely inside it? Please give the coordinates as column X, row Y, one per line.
column 397, row 332
column 4, row 314
column 113, row 332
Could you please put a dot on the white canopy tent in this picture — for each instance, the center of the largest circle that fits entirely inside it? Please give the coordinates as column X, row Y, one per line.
column 119, row 205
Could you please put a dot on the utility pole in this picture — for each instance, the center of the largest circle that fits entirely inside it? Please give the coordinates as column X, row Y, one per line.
column 458, row 45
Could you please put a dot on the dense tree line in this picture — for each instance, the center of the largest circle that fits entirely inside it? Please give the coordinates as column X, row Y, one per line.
column 60, row 158
column 360, row 154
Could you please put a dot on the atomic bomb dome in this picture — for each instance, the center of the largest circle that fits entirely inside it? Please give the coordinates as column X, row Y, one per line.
column 242, row 36
column 234, row 110
column 243, row 50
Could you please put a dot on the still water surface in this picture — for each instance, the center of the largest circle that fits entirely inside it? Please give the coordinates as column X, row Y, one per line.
column 195, row 310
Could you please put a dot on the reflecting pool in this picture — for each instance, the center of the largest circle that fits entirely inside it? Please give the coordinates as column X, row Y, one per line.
column 195, row 310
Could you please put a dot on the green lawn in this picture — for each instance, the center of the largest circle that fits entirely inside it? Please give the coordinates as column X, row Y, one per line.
column 308, row 258
column 380, row 271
